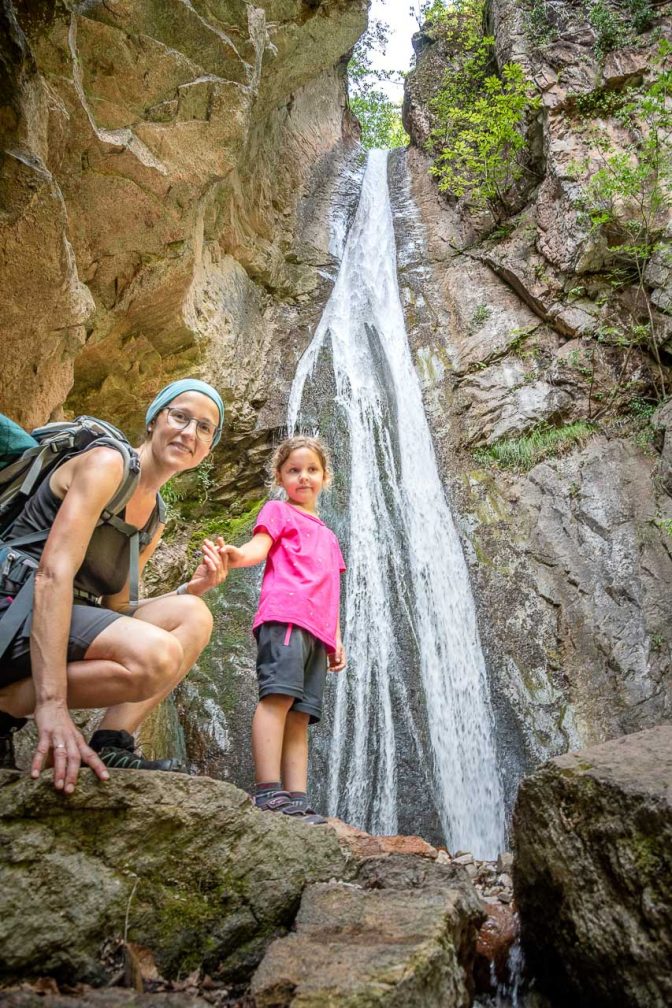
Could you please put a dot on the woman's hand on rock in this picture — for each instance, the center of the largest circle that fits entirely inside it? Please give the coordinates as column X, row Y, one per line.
column 60, row 739
column 212, row 569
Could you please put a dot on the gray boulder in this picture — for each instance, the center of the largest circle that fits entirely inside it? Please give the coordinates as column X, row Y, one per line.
column 593, row 873
column 184, row 867
column 402, row 937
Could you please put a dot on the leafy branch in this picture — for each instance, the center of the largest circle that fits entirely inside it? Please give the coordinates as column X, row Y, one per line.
column 628, row 198
column 378, row 115
column 479, row 134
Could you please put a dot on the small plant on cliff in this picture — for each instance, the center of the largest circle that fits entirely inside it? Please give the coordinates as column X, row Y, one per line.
column 481, row 314
column 618, row 24
column 173, row 494
column 607, row 27
column 539, row 27
column 628, row 198
column 479, row 137
column 526, row 451
column 642, row 14
column 602, row 103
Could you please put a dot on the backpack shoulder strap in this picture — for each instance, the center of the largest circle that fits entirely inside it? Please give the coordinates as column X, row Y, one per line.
column 88, row 432
column 57, row 442
column 157, row 517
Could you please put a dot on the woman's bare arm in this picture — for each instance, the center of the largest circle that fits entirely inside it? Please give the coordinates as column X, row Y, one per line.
column 91, row 481
column 211, row 571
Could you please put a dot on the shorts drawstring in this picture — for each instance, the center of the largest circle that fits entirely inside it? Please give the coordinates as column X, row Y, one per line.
column 288, row 634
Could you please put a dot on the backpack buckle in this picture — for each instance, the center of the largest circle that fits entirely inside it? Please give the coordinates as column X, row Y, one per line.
column 61, row 441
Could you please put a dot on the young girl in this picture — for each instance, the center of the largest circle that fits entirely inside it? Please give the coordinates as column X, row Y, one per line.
column 296, row 625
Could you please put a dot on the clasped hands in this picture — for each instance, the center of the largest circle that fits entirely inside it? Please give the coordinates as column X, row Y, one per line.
column 212, row 569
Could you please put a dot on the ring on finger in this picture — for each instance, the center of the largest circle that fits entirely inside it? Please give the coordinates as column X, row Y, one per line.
column 60, row 745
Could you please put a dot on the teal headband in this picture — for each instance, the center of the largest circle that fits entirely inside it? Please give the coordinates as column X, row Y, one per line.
column 176, row 388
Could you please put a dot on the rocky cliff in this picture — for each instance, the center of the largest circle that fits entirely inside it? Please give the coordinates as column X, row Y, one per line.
column 165, row 172
column 540, row 397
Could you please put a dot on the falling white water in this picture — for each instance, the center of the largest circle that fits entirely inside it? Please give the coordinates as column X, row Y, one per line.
column 407, row 588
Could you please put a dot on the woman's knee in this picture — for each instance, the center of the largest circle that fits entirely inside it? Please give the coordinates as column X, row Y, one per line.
column 148, row 660
column 157, row 661
column 197, row 619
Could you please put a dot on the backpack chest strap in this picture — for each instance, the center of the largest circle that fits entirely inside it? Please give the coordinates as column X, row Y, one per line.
column 133, row 534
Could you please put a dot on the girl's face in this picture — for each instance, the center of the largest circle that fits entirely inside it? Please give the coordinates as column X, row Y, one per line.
column 301, row 476
column 181, row 432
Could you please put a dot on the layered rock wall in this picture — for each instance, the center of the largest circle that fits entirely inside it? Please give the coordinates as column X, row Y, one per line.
column 163, row 175
column 571, row 556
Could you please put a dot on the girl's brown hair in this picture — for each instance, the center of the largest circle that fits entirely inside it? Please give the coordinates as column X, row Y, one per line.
column 285, row 449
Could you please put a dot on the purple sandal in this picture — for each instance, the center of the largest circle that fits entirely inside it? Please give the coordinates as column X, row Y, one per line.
column 282, row 801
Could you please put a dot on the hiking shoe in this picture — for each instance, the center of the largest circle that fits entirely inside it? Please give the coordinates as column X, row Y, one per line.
column 282, row 801
column 117, row 751
column 8, row 727
column 309, row 814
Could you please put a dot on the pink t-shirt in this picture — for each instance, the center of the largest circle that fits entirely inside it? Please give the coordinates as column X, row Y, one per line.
column 301, row 582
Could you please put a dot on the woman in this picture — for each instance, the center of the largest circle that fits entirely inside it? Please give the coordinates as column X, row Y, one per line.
column 124, row 658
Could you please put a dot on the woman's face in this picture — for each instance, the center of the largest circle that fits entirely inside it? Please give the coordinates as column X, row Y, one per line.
column 182, row 432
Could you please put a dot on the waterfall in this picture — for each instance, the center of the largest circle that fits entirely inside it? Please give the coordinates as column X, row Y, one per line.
column 411, row 719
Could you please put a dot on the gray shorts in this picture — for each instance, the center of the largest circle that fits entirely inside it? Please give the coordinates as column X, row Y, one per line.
column 292, row 662
column 86, row 623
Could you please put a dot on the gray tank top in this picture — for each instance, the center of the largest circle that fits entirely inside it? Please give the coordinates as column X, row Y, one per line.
column 106, row 563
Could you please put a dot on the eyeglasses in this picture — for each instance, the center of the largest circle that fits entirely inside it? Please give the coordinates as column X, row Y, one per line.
column 177, row 418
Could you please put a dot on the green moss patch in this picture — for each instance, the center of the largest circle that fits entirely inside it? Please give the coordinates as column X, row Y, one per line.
column 543, row 441
column 233, row 526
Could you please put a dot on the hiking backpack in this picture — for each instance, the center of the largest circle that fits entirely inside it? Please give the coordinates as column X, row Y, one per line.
column 25, row 462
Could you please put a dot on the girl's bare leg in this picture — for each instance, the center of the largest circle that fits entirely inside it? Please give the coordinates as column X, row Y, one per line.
column 268, row 729
column 294, row 764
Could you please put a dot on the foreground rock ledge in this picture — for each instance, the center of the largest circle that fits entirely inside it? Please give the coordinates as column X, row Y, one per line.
column 402, row 937
column 593, row 873
column 185, row 867
column 186, row 874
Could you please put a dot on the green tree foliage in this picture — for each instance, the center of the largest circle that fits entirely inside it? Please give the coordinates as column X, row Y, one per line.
column 428, row 10
column 380, row 120
column 479, row 135
column 628, row 198
column 378, row 115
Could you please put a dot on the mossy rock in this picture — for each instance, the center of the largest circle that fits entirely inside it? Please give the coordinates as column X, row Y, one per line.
column 593, row 873
column 185, row 867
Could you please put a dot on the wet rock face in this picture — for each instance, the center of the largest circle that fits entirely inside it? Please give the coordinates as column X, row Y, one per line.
column 569, row 557
column 160, row 178
column 181, row 866
column 598, row 563
column 592, row 873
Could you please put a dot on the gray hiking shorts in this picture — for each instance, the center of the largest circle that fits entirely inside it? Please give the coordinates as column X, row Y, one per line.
column 86, row 623
column 292, row 662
